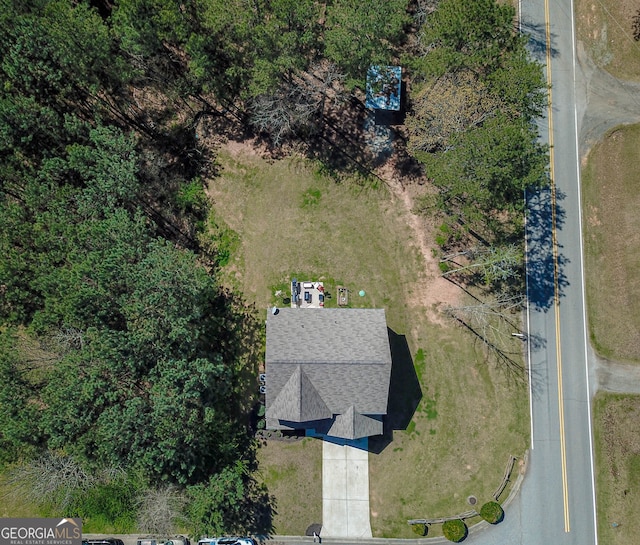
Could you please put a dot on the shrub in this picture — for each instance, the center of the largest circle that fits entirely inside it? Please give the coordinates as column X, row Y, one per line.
column 454, row 530
column 636, row 26
column 492, row 512
column 420, row 529
column 107, row 505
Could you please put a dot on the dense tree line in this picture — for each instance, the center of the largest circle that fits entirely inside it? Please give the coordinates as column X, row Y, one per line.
column 476, row 96
column 472, row 124
column 122, row 358
column 120, row 354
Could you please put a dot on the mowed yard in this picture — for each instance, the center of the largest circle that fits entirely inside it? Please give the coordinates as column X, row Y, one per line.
column 462, row 416
column 612, row 244
column 612, row 250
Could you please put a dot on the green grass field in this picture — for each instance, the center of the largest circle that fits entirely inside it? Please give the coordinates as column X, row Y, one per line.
column 611, row 202
column 612, row 245
column 617, row 439
column 471, row 416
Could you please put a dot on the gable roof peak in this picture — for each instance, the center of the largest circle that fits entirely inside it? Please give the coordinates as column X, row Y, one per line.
column 299, row 400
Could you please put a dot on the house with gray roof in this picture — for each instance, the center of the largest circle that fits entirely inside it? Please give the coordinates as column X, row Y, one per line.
column 327, row 370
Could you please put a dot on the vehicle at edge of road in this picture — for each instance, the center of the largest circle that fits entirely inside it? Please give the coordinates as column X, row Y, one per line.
column 226, row 541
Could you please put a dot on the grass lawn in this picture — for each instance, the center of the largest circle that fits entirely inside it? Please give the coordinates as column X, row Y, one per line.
column 605, row 28
column 292, row 221
column 12, row 506
column 617, row 438
column 284, row 465
column 611, row 202
column 612, row 244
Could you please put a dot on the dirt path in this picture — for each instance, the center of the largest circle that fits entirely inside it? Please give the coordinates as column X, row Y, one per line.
column 436, row 292
column 603, row 102
column 622, row 378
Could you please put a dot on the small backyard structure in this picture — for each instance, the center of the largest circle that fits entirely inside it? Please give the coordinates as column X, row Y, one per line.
column 343, row 296
column 307, row 294
column 384, row 86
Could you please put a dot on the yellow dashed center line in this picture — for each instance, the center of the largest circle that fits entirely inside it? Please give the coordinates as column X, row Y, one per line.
column 556, row 299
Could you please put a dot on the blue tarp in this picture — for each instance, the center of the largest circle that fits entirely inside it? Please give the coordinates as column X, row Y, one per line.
column 383, row 87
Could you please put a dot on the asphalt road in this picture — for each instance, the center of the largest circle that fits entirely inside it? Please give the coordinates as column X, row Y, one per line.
column 558, row 502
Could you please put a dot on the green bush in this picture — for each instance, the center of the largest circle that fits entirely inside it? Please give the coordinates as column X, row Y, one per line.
column 107, row 506
column 454, row 530
column 492, row 512
column 420, row 529
column 192, row 198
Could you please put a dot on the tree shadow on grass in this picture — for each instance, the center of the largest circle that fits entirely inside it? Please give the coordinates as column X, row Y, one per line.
column 404, row 392
column 258, row 512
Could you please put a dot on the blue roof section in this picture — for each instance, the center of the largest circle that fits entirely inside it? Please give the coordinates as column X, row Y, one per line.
column 384, row 87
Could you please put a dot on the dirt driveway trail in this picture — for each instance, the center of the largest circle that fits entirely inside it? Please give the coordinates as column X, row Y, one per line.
column 619, row 378
column 603, row 102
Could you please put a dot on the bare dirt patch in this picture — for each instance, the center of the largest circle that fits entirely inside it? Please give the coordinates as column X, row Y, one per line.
column 438, row 292
column 606, row 29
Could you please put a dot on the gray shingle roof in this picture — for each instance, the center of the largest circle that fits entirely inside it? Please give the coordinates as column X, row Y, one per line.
column 321, row 361
column 299, row 401
column 353, row 425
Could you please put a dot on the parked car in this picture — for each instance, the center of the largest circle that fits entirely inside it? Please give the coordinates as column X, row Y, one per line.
column 226, row 541
column 148, row 541
column 151, row 540
column 103, row 541
column 178, row 540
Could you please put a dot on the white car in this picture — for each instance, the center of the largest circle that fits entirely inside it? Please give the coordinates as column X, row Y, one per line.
column 151, row 540
column 226, row 541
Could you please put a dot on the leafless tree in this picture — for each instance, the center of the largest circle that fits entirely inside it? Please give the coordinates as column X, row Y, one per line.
column 159, row 511
column 444, row 107
column 69, row 338
column 424, row 8
column 52, row 477
column 492, row 322
column 490, row 317
column 494, row 262
column 298, row 102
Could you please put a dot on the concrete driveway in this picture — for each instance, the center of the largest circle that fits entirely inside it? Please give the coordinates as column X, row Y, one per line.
column 345, row 489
